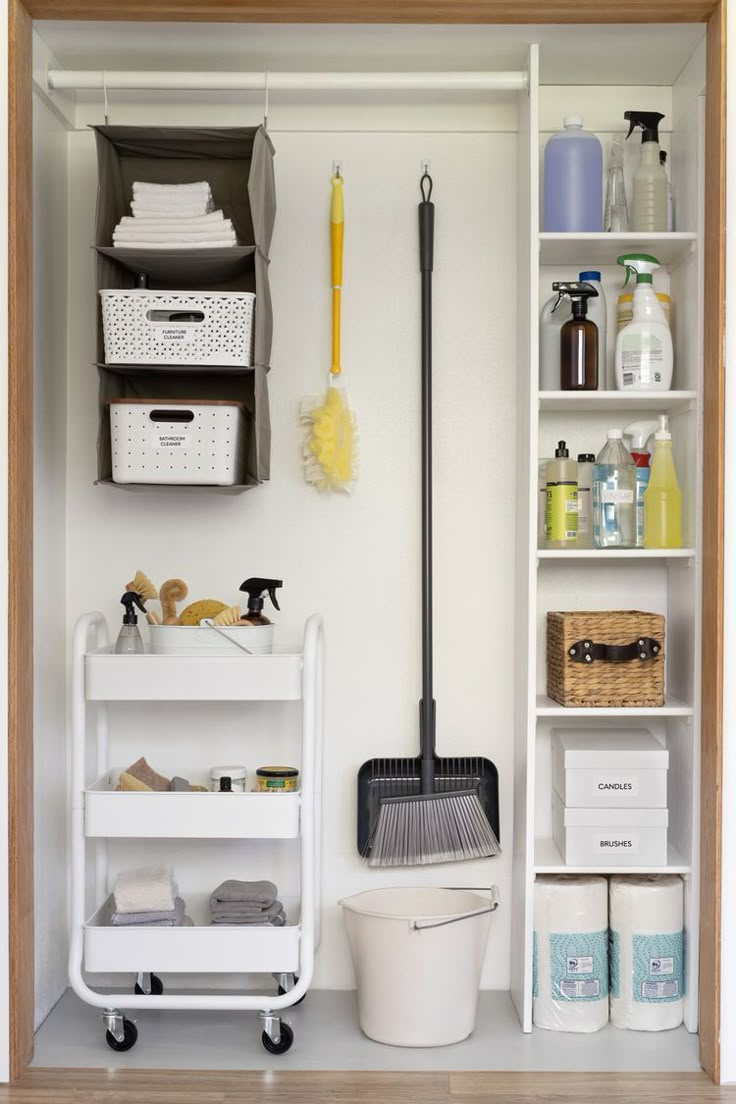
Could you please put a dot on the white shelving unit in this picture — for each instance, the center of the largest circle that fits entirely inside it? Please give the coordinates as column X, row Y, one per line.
column 665, row 581
column 99, row 813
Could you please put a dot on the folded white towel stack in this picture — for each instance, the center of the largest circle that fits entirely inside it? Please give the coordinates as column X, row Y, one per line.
column 150, row 889
column 174, row 216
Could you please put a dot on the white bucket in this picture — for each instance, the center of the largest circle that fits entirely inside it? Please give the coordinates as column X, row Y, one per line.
column 418, row 956
column 175, row 639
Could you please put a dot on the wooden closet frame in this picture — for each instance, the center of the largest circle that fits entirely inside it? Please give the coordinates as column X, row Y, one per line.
column 20, row 433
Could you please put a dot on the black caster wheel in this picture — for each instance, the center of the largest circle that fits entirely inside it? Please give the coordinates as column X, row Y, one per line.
column 130, row 1037
column 157, row 987
column 283, row 991
column 284, row 1043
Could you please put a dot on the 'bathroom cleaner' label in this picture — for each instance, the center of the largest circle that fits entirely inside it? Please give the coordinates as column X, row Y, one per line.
column 172, row 439
column 579, row 965
column 659, row 968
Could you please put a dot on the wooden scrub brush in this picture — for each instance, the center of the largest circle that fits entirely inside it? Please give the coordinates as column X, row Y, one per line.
column 142, row 585
column 172, row 591
column 229, row 616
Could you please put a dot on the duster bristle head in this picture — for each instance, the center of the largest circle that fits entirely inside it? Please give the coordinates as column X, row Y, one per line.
column 330, row 445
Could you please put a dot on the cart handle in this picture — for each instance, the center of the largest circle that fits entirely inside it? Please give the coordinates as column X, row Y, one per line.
column 414, row 925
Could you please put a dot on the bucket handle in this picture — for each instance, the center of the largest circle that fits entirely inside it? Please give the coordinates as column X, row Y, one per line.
column 207, row 623
column 414, row 925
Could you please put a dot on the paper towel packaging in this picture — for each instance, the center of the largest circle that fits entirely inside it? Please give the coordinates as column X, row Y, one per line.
column 570, row 985
column 647, row 951
column 615, row 768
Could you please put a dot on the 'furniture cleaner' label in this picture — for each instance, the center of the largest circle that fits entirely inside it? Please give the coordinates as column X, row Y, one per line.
column 659, row 968
column 579, row 964
column 177, row 335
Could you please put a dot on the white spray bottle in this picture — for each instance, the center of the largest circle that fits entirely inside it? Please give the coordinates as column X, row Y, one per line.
column 644, row 356
column 637, row 436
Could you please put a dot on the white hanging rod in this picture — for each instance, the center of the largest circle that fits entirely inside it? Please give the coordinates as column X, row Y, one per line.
column 157, row 80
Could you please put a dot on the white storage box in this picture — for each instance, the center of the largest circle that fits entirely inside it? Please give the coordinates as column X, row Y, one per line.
column 173, row 327
column 178, row 639
column 175, row 441
column 612, row 768
column 610, row 837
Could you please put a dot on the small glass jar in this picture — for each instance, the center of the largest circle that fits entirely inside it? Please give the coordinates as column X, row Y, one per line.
column 228, row 779
column 277, row 779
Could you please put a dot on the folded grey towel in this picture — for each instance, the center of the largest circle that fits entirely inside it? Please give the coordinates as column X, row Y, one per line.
column 168, row 918
column 237, row 913
column 277, row 920
column 254, row 894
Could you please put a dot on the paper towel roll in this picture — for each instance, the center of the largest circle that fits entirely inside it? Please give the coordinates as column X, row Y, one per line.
column 570, row 952
column 647, row 951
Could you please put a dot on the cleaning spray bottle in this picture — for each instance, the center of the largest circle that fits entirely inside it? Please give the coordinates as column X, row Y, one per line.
column 130, row 641
column 649, row 205
column 636, row 436
column 644, row 356
column 663, row 498
column 255, row 589
column 562, row 500
column 578, row 339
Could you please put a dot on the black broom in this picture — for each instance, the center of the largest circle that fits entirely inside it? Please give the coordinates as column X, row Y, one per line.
column 430, row 809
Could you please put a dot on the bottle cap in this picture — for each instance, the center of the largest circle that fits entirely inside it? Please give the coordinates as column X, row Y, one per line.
column 586, row 458
column 562, row 449
column 663, row 432
column 575, row 121
column 615, row 435
column 583, row 276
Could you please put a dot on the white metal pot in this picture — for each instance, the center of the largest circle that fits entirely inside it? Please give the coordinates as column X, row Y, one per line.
column 175, row 639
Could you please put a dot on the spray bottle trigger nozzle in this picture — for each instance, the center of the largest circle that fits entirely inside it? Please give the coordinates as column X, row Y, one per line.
column 272, row 596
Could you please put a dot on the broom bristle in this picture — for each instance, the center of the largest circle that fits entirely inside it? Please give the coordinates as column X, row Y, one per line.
column 432, row 828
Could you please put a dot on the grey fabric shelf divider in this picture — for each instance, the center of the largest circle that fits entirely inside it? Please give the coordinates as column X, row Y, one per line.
column 248, row 386
column 238, row 164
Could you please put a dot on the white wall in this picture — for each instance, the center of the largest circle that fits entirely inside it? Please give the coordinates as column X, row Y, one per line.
column 355, row 559
column 50, row 752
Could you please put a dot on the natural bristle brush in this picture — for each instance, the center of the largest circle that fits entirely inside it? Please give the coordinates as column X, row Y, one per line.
column 142, row 585
column 330, row 446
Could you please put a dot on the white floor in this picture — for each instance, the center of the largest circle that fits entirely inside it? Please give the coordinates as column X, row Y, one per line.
column 327, row 1037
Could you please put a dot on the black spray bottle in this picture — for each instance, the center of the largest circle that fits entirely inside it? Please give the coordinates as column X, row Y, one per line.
column 255, row 588
column 578, row 339
column 129, row 641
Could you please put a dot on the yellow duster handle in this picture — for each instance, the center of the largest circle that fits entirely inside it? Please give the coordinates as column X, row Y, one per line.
column 337, row 226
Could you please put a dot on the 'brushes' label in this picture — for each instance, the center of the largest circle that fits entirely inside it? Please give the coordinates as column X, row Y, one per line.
column 173, row 439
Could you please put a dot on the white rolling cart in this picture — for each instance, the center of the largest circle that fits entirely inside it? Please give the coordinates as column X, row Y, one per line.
column 99, row 812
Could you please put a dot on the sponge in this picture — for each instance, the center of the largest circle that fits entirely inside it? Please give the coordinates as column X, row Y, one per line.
column 206, row 607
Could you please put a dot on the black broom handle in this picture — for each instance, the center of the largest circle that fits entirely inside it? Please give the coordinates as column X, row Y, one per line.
column 426, row 706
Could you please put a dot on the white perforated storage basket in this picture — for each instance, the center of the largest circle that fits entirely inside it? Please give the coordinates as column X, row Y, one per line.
column 152, row 327
column 175, row 441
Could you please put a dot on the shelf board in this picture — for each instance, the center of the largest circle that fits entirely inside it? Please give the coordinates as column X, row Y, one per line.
column 672, row 707
column 587, row 250
column 664, row 402
column 211, row 675
column 197, row 267
column 608, row 555
column 548, row 860
column 178, row 488
column 176, row 369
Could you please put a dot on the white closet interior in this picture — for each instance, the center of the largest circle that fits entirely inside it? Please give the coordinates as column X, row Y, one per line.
column 355, row 559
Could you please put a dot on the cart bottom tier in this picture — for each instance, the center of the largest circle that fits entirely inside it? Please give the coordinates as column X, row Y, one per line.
column 202, row 948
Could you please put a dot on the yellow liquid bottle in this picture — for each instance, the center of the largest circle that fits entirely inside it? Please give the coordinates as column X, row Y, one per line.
column 663, row 497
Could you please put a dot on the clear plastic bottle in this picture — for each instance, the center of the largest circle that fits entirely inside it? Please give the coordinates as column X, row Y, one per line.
column 614, row 495
column 573, row 180
column 663, row 497
column 616, row 216
column 586, row 460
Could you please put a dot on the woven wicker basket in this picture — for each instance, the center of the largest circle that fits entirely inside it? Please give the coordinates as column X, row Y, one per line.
column 581, row 670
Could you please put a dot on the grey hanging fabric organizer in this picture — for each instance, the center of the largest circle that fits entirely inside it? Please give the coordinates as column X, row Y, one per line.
column 238, row 164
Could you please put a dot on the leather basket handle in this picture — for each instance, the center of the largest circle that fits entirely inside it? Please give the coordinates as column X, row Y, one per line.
column 644, row 648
